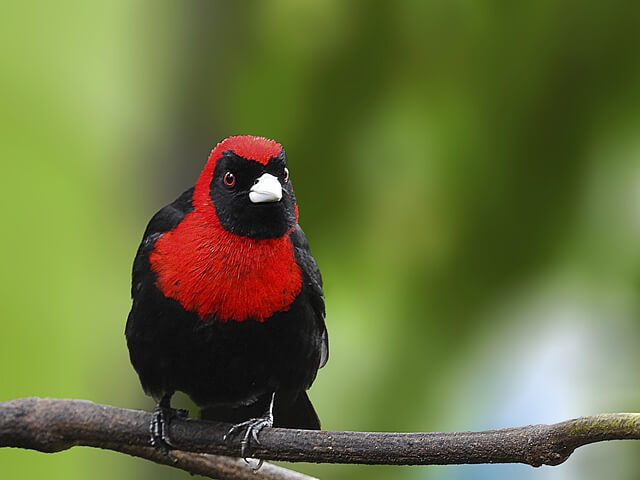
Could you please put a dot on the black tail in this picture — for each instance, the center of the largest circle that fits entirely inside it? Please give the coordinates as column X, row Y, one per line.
column 299, row 413
column 289, row 411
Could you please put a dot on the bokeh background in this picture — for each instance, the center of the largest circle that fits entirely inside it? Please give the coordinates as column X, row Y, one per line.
column 468, row 174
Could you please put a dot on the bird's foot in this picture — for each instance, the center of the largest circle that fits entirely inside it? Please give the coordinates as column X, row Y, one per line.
column 159, row 427
column 252, row 428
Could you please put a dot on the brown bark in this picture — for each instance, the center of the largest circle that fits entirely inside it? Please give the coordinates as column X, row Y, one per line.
column 51, row 425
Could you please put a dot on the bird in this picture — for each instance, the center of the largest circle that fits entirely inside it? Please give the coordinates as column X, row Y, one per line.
column 227, row 300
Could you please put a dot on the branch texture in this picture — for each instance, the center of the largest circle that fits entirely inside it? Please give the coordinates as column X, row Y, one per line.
column 51, row 425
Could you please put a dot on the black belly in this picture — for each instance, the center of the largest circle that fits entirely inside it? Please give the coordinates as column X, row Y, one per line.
column 221, row 363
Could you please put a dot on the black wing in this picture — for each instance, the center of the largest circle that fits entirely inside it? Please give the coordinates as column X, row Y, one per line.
column 166, row 219
column 313, row 281
column 142, row 351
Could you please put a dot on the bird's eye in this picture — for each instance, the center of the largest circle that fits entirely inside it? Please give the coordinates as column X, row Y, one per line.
column 229, row 179
column 286, row 174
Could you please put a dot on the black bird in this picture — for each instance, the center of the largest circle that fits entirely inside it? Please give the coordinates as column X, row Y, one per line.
column 227, row 300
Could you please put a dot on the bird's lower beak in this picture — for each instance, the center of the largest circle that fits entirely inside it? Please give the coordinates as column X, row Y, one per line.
column 266, row 189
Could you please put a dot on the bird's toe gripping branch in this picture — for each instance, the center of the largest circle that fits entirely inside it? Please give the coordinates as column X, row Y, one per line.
column 159, row 426
column 252, row 428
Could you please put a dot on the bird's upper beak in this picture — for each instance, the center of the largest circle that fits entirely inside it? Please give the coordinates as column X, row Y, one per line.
column 266, row 189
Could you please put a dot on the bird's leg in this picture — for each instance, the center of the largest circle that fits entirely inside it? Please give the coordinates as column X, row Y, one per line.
column 252, row 428
column 160, row 420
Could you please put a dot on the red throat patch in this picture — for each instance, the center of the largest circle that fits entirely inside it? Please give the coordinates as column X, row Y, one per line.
column 212, row 271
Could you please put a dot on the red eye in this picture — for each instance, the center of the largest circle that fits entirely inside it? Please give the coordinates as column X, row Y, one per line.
column 286, row 174
column 229, row 179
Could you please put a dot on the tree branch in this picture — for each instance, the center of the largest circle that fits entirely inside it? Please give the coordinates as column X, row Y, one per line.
column 51, row 425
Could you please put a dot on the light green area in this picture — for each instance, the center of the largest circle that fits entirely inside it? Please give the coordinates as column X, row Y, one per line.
column 627, row 422
column 468, row 174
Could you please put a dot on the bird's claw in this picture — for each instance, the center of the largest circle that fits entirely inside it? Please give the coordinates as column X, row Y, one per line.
column 159, row 427
column 251, row 429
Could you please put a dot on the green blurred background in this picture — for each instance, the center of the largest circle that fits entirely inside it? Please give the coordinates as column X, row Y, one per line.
column 468, row 174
